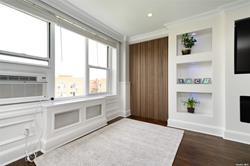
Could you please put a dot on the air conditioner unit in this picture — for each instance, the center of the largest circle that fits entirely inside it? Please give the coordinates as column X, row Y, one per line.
column 22, row 87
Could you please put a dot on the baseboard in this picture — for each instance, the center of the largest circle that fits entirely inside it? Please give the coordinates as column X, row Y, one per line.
column 112, row 115
column 126, row 113
column 57, row 141
column 16, row 153
column 237, row 136
column 206, row 129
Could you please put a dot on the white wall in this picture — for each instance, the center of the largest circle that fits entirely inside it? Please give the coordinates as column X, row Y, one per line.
column 236, row 85
column 124, row 79
column 227, row 87
column 213, row 123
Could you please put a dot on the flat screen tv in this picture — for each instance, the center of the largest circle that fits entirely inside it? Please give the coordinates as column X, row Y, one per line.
column 242, row 46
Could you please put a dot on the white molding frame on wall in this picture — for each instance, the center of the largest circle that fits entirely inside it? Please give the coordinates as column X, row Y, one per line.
column 54, row 138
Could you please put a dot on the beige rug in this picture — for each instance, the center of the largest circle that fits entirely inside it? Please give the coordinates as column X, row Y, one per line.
column 124, row 143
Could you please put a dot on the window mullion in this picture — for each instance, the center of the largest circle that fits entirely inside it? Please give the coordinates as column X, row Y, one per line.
column 87, row 67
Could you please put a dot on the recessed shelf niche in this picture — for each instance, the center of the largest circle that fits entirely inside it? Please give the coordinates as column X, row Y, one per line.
column 197, row 65
column 203, row 44
column 205, row 99
column 194, row 70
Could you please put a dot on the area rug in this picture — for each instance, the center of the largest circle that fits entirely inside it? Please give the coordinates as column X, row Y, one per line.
column 124, row 143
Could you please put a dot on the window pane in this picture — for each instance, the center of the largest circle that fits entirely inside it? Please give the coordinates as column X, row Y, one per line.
column 22, row 33
column 8, row 58
column 97, row 80
column 98, row 54
column 69, row 63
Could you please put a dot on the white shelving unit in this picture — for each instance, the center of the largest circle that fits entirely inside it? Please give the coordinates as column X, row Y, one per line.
column 205, row 61
column 194, row 58
column 198, row 64
column 197, row 88
column 205, row 99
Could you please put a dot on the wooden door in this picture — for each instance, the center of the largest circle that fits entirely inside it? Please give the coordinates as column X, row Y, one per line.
column 149, row 78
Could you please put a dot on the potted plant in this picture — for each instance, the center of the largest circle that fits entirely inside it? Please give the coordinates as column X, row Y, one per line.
column 191, row 103
column 188, row 42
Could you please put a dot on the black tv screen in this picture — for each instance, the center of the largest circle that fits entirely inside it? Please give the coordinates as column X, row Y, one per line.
column 242, row 46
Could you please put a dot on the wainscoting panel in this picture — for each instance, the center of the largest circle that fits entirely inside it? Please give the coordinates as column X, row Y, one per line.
column 74, row 120
column 113, row 108
column 13, row 123
column 93, row 111
column 51, row 124
column 67, row 118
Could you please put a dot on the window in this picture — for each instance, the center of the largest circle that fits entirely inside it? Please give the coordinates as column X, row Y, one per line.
column 98, row 65
column 70, row 55
column 82, row 66
column 24, row 39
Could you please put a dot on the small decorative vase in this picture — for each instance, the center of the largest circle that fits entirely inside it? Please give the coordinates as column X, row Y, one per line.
column 186, row 51
column 190, row 110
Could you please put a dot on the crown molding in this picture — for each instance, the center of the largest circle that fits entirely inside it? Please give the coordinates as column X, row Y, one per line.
column 164, row 31
column 221, row 9
column 234, row 5
column 84, row 17
column 159, row 33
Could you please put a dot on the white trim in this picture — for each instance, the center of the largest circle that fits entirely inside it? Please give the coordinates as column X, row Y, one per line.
column 23, row 55
column 163, row 32
column 15, row 139
column 81, row 15
column 237, row 136
column 15, row 153
column 113, row 114
column 206, row 129
column 148, row 36
column 54, row 142
column 16, row 123
column 19, row 113
column 126, row 114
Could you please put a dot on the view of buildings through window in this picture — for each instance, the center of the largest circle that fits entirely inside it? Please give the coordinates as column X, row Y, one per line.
column 71, row 69
column 70, row 55
column 98, row 67
column 82, row 66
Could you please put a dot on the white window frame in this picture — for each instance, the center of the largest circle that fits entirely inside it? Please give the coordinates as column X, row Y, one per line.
column 50, row 17
column 27, row 56
column 108, row 71
column 54, row 66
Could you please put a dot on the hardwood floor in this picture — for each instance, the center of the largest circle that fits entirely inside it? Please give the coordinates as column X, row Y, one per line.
column 197, row 150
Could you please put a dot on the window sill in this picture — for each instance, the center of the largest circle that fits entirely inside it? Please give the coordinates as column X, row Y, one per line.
column 32, row 105
column 63, row 101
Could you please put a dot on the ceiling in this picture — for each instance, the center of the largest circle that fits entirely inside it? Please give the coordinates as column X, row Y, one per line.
column 129, row 17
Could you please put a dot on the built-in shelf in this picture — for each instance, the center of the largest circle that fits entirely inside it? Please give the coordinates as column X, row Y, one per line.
column 197, row 65
column 204, row 98
column 203, row 44
column 198, row 88
column 194, row 70
column 204, row 114
column 194, row 58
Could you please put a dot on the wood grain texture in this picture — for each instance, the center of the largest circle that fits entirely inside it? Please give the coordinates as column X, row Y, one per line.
column 148, row 77
column 198, row 149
